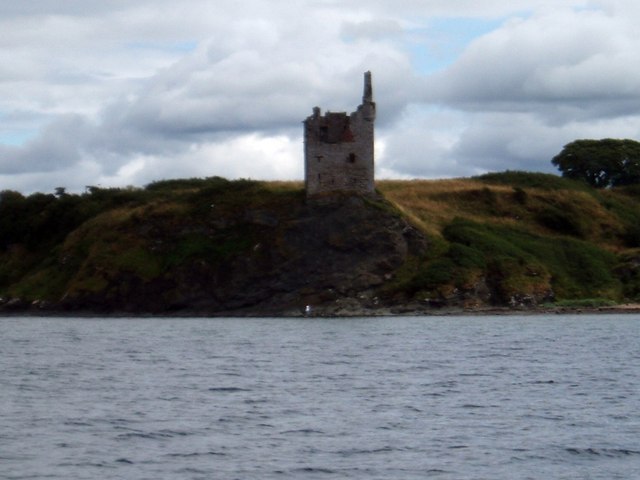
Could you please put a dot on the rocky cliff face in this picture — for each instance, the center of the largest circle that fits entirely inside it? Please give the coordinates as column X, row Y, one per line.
column 331, row 256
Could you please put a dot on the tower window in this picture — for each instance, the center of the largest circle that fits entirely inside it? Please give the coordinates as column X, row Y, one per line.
column 352, row 158
column 324, row 134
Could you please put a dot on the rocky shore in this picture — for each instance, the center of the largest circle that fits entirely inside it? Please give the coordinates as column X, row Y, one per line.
column 346, row 308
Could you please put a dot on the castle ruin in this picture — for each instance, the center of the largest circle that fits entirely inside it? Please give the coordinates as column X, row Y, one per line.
column 338, row 149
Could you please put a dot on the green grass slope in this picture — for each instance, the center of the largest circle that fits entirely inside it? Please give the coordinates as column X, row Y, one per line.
column 524, row 238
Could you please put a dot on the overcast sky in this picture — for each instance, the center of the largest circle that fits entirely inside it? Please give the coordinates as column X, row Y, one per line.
column 120, row 92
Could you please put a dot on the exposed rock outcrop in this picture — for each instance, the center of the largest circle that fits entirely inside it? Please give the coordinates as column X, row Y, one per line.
column 331, row 255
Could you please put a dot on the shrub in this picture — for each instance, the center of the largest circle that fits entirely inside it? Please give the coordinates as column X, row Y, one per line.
column 437, row 273
column 520, row 196
column 516, row 259
column 567, row 222
column 466, row 257
column 543, row 181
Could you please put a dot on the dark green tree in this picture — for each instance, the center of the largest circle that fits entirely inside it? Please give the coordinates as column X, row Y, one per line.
column 601, row 163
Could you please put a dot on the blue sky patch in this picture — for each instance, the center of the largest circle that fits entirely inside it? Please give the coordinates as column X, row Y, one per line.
column 16, row 138
column 441, row 40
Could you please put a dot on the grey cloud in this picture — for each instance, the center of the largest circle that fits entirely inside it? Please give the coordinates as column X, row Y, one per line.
column 517, row 93
column 430, row 8
column 372, row 29
column 497, row 142
column 55, row 148
column 247, row 91
column 447, row 142
column 210, row 95
column 58, row 7
column 575, row 59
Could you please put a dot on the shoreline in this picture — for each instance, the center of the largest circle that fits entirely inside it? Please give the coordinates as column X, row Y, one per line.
column 622, row 309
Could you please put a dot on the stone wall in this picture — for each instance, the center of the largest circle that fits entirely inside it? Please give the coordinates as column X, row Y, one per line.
column 339, row 149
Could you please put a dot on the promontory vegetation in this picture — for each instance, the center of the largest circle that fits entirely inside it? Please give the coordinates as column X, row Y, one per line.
column 214, row 246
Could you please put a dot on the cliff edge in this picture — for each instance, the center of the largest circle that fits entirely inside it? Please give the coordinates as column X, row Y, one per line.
column 225, row 248
column 513, row 240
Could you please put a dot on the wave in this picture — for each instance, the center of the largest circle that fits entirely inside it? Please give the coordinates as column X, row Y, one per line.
column 152, row 435
column 314, row 470
column 603, row 452
column 228, row 389
column 195, row 454
column 305, row 431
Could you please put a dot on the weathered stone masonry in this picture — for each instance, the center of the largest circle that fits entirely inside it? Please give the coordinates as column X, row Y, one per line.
column 338, row 149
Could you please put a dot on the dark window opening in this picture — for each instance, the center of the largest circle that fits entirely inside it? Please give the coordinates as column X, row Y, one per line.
column 352, row 158
column 324, row 134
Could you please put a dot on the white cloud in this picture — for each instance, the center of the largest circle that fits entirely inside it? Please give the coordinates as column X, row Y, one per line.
column 242, row 156
column 568, row 57
column 121, row 93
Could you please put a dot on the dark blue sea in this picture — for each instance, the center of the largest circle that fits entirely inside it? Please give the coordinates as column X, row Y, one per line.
column 495, row 397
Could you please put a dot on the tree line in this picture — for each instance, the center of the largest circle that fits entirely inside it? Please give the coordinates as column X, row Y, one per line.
column 601, row 163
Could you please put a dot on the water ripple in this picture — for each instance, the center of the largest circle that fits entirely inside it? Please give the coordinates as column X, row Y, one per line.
column 603, row 452
column 407, row 398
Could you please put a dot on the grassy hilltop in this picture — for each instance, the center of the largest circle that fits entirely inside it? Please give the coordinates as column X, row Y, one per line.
column 214, row 246
column 533, row 237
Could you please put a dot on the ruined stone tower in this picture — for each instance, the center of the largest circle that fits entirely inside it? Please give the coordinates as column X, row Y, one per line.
column 338, row 149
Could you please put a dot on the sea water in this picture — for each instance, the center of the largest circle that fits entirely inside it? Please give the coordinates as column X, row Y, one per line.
column 495, row 397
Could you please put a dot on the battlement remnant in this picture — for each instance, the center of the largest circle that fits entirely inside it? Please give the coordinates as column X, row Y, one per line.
column 338, row 149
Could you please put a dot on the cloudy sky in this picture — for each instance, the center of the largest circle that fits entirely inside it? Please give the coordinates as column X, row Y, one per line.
column 122, row 92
